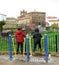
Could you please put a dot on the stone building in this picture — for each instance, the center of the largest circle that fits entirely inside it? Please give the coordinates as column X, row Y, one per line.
column 10, row 23
column 31, row 18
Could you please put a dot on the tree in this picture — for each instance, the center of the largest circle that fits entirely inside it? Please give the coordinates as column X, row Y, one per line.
column 54, row 26
column 1, row 25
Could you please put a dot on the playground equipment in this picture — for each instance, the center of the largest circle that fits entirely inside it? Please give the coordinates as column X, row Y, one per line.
column 24, row 47
column 46, row 47
column 28, row 47
column 14, row 46
column 28, row 56
column 10, row 43
column 42, row 44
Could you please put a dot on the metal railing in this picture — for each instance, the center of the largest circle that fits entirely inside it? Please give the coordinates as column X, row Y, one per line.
column 53, row 44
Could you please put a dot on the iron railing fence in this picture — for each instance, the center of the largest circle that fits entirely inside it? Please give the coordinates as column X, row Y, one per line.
column 53, row 44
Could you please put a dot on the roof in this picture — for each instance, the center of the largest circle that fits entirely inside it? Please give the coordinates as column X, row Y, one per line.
column 53, row 21
column 36, row 12
column 51, row 17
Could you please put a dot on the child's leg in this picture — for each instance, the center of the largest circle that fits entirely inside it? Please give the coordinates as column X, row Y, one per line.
column 35, row 45
column 40, row 46
column 21, row 48
column 17, row 51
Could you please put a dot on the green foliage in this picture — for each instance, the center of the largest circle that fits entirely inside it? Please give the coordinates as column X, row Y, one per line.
column 1, row 25
column 54, row 26
column 2, row 22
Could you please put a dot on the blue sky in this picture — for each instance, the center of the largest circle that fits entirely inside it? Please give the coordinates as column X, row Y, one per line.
column 12, row 8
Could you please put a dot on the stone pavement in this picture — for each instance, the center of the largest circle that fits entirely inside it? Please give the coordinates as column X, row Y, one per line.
column 19, row 60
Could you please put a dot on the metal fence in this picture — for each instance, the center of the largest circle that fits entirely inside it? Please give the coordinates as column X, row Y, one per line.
column 4, row 44
column 53, row 44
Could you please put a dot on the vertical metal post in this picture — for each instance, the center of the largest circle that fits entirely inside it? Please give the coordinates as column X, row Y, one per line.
column 27, row 48
column 24, row 47
column 56, row 44
column 30, row 46
column 10, row 43
column 46, row 47
column 14, row 46
column 42, row 40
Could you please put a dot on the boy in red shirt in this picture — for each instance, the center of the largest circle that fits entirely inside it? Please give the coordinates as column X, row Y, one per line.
column 20, row 39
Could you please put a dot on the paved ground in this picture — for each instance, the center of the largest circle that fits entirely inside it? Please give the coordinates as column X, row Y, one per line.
column 16, row 61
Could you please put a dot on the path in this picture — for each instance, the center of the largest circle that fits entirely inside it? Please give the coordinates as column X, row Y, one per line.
column 19, row 62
